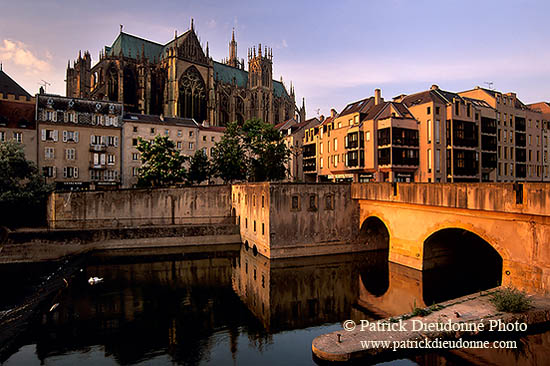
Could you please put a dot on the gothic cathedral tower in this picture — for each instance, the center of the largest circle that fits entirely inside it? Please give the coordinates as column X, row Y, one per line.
column 260, row 82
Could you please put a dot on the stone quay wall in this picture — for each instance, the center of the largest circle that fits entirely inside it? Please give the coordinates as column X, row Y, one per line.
column 140, row 207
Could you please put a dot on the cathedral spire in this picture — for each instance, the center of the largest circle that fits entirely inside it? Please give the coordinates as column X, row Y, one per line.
column 192, row 26
column 233, row 60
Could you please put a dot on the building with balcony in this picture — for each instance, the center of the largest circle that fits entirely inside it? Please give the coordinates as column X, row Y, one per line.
column 544, row 109
column 79, row 142
column 519, row 135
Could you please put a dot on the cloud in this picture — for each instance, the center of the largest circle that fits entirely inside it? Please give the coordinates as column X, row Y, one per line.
column 20, row 55
column 285, row 45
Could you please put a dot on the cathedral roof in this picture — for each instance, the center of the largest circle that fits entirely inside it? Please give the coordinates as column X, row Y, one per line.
column 131, row 46
column 226, row 74
column 160, row 120
column 9, row 86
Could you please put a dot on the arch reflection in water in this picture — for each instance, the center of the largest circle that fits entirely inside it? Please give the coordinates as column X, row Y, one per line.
column 300, row 292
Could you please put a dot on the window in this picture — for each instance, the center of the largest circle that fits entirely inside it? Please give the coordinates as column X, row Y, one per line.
column 246, row 222
column 18, row 136
column 135, row 171
column 263, row 199
column 70, row 172
column 204, row 138
column 110, row 159
column 112, row 141
column 3, row 136
column 178, row 144
column 152, row 130
column 211, row 151
column 295, row 202
column 49, row 152
column 339, row 124
column 457, row 108
column 429, row 160
column 437, row 129
column 180, row 133
column 428, row 110
column 329, row 202
column 429, row 130
column 70, row 117
column 254, row 225
column 167, row 132
column 191, row 146
column 49, row 135
column 313, row 202
column 111, row 175
column 436, row 110
column 212, row 139
column 367, row 135
column 135, row 156
column 321, row 147
column 95, row 174
column 335, row 144
column 437, row 160
column 134, row 142
column 321, row 162
column 356, row 119
column 97, row 140
column 70, row 136
column 70, row 154
column 49, row 171
column 135, row 129
column 98, row 120
column 190, row 133
column 505, row 152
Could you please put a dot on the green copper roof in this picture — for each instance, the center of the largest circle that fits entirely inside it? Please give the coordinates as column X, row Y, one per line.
column 279, row 90
column 131, row 46
column 226, row 74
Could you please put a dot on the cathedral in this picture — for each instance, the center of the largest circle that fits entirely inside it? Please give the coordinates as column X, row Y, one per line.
column 180, row 79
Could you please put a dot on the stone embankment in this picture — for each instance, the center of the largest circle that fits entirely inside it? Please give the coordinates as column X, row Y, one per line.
column 465, row 318
column 37, row 245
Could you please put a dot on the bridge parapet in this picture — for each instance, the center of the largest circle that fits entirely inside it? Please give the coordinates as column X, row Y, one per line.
column 524, row 198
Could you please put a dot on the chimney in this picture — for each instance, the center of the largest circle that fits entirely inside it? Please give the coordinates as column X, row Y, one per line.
column 321, row 118
column 377, row 97
column 434, row 87
column 332, row 112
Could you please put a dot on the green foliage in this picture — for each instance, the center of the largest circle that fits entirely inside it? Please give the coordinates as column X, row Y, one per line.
column 162, row 163
column 254, row 151
column 199, row 169
column 23, row 191
column 229, row 156
column 511, row 300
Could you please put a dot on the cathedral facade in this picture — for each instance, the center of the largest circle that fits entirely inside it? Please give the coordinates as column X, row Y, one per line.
column 180, row 79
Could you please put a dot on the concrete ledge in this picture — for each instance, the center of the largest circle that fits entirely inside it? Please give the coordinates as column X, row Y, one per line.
column 471, row 309
column 306, row 250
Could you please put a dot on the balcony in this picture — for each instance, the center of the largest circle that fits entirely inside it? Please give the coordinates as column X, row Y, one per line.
column 98, row 166
column 98, row 147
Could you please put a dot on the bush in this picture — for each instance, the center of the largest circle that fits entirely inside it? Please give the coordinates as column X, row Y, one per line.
column 511, row 300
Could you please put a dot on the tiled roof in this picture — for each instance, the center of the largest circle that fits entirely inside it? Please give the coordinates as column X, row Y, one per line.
column 15, row 114
column 478, row 102
column 148, row 118
column 9, row 86
column 359, row 106
column 212, row 128
column 374, row 110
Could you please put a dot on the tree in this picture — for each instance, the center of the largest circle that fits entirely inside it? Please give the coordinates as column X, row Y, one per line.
column 268, row 154
column 199, row 169
column 229, row 156
column 23, row 191
column 162, row 163
column 254, row 151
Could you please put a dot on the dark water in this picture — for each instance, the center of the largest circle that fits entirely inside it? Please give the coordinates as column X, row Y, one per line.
column 235, row 308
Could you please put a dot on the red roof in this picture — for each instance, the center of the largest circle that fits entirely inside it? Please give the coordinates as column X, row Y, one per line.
column 15, row 114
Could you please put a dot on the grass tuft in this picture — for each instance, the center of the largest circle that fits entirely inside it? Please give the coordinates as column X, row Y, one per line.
column 511, row 300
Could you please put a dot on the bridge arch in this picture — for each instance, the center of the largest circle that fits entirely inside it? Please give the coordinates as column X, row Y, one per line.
column 374, row 233
column 457, row 261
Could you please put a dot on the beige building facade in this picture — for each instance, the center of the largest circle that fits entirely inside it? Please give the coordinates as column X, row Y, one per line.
column 79, row 142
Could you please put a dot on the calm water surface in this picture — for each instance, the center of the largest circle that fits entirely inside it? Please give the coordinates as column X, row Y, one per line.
column 236, row 308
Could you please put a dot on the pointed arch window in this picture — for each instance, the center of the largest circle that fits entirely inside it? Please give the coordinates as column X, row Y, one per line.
column 192, row 95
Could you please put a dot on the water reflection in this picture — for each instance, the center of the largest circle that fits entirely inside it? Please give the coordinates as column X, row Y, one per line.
column 236, row 308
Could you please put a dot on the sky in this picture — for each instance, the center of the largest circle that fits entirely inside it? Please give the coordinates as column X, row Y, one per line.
column 334, row 52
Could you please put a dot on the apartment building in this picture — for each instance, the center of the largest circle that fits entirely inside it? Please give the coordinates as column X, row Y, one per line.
column 293, row 134
column 17, row 116
column 449, row 135
column 544, row 109
column 184, row 132
column 519, row 136
column 79, row 142
column 209, row 136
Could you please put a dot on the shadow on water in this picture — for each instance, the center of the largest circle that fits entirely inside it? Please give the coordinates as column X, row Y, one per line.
column 237, row 307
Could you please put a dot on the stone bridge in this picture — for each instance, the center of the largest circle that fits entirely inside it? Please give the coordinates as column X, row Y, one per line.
column 431, row 224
